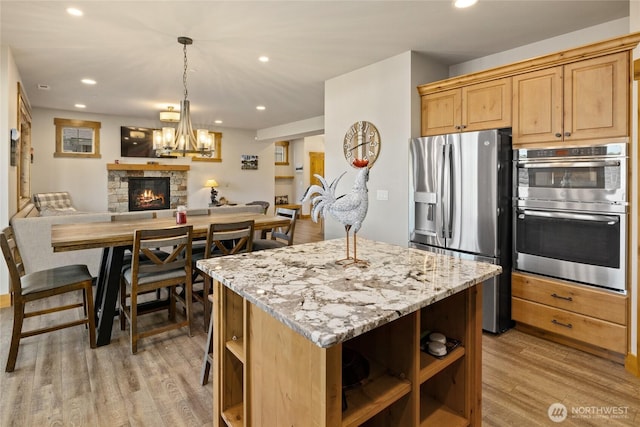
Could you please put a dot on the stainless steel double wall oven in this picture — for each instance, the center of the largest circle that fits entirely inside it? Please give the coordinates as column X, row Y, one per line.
column 570, row 217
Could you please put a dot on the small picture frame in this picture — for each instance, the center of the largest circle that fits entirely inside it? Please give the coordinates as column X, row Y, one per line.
column 249, row 162
column 282, row 200
column 77, row 138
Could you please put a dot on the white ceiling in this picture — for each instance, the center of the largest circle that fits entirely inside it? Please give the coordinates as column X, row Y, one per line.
column 131, row 48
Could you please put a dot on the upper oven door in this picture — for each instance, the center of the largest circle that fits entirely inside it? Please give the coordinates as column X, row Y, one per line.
column 588, row 180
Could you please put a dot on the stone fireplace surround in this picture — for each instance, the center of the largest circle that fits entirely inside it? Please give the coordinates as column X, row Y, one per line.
column 118, row 182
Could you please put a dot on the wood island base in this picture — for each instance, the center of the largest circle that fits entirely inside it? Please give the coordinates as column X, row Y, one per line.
column 266, row 374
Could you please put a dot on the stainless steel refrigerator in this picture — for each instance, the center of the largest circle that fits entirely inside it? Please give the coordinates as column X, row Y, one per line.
column 460, row 204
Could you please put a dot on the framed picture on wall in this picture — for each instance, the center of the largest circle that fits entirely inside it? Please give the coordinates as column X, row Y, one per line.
column 282, row 200
column 249, row 161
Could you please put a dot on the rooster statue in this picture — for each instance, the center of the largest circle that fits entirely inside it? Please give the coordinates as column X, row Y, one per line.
column 350, row 209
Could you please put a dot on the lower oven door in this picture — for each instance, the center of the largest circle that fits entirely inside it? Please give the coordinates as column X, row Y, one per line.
column 579, row 246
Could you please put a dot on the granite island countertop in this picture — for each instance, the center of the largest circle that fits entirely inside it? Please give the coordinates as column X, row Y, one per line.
column 303, row 287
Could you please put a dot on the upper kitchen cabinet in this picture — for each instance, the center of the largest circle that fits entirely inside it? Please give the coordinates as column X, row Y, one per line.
column 474, row 107
column 578, row 101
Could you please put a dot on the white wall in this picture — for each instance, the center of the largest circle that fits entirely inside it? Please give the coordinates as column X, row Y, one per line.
column 292, row 131
column 383, row 94
column 86, row 178
column 544, row 47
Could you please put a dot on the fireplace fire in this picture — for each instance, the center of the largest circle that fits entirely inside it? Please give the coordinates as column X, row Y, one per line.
column 149, row 193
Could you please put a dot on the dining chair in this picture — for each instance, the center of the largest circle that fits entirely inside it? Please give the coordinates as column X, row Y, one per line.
column 198, row 244
column 126, row 259
column 222, row 240
column 265, row 205
column 40, row 285
column 195, row 212
column 155, row 273
column 208, row 351
column 134, row 215
column 280, row 236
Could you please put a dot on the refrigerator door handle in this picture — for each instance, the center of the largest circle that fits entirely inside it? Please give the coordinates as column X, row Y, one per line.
column 443, row 191
column 451, row 190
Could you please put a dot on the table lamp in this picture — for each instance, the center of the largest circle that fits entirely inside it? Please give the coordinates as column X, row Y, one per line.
column 214, row 193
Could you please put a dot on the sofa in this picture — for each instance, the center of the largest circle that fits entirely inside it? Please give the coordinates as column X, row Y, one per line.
column 33, row 235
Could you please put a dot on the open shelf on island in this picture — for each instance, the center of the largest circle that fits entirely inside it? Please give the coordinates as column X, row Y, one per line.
column 233, row 415
column 376, row 395
column 236, row 347
column 430, row 366
column 434, row 413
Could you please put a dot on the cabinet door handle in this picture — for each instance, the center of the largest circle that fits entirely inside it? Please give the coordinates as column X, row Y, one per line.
column 561, row 297
column 558, row 135
column 463, row 126
column 567, row 134
column 566, row 325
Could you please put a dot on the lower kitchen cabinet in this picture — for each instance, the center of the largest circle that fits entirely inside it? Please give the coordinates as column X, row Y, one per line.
column 584, row 317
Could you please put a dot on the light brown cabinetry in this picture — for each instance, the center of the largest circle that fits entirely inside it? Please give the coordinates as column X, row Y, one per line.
column 474, row 107
column 571, row 103
column 579, row 313
column 266, row 374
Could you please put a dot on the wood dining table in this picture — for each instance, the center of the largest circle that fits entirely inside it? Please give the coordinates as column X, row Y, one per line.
column 115, row 236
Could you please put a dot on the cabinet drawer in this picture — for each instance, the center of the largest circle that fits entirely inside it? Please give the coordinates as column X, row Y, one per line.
column 575, row 298
column 597, row 332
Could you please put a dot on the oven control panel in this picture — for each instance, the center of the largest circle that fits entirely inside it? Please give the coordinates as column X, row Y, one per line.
column 609, row 150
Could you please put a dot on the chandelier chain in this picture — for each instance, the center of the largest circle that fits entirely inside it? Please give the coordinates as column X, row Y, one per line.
column 184, row 74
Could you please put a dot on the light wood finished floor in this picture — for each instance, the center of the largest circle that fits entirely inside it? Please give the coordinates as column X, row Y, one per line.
column 60, row 381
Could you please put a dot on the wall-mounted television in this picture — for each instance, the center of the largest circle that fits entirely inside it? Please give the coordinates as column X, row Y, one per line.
column 136, row 142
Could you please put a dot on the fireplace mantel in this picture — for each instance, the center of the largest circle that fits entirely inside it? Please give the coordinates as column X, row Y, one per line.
column 145, row 167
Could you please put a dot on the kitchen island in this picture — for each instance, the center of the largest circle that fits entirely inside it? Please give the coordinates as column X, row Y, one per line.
column 283, row 317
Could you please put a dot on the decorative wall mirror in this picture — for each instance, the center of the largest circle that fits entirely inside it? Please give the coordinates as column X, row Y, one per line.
column 77, row 138
column 282, row 152
column 23, row 147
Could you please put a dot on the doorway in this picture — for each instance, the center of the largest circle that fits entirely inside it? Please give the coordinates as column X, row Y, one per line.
column 24, row 152
column 316, row 167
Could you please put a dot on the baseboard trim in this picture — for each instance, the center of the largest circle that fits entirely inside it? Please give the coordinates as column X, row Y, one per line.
column 5, row 300
column 632, row 364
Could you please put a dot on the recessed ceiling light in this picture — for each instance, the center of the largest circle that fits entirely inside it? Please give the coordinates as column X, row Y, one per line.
column 261, row 107
column 218, row 122
column 75, row 12
column 80, row 106
column 461, row 4
column 263, row 58
column 88, row 81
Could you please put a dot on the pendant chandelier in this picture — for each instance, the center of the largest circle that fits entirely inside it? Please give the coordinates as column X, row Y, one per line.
column 183, row 140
